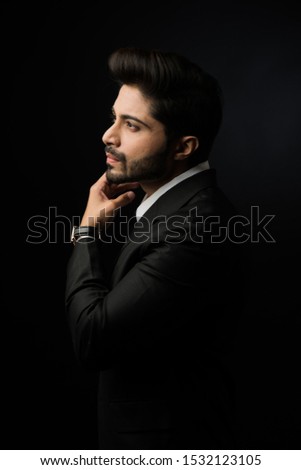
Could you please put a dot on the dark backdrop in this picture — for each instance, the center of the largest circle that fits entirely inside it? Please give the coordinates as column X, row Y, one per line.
column 57, row 99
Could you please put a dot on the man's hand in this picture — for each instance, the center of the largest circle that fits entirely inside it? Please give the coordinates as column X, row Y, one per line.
column 101, row 207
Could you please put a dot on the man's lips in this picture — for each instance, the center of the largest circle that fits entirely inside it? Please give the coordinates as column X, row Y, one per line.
column 111, row 158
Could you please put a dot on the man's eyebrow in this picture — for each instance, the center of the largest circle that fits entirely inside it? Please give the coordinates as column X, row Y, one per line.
column 133, row 118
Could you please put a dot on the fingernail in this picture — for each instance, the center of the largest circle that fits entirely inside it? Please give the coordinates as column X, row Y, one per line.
column 131, row 195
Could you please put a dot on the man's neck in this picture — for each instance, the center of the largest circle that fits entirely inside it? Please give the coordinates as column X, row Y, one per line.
column 149, row 187
column 148, row 201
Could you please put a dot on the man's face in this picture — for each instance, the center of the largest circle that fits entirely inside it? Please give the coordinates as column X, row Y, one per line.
column 136, row 143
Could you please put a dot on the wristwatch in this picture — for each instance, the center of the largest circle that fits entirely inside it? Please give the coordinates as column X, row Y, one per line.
column 79, row 233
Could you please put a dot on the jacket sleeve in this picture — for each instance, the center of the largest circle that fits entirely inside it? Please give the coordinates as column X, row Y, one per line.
column 149, row 302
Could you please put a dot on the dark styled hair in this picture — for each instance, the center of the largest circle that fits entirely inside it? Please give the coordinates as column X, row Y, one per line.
column 185, row 98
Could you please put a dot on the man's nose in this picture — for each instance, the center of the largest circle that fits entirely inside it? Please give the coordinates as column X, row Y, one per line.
column 111, row 136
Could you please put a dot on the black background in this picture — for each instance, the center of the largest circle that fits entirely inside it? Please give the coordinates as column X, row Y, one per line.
column 57, row 97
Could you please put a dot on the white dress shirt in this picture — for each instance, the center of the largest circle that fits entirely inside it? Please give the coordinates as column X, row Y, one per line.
column 147, row 202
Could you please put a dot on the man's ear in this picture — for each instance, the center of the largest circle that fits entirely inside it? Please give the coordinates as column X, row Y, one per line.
column 186, row 146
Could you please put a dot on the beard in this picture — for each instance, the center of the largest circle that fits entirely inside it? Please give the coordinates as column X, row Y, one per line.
column 148, row 168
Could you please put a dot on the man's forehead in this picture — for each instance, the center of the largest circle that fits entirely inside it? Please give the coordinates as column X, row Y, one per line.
column 130, row 100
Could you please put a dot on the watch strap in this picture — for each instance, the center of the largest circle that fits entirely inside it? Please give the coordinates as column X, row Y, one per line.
column 84, row 232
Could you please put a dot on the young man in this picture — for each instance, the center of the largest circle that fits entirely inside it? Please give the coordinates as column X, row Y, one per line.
column 159, row 324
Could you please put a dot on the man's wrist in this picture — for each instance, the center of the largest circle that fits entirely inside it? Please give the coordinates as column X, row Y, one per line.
column 86, row 233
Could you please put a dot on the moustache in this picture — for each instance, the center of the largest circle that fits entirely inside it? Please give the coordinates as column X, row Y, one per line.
column 119, row 156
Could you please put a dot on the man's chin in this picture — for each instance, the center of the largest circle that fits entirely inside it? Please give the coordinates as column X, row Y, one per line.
column 116, row 177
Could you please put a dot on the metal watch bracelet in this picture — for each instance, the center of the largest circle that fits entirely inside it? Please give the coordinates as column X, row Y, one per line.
column 83, row 232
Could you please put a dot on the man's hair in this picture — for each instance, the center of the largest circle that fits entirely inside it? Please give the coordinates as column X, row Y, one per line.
column 185, row 98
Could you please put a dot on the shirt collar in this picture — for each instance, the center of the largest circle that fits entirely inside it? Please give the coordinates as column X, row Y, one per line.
column 147, row 202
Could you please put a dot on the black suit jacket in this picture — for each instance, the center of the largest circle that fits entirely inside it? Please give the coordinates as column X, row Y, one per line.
column 160, row 327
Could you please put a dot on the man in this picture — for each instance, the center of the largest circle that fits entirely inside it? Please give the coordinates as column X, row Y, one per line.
column 158, row 323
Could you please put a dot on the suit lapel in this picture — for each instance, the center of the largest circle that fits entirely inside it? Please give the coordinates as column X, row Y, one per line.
column 168, row 204
column 179, row 195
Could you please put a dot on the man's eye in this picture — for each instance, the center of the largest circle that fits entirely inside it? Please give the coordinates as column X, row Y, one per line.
column 130, row 125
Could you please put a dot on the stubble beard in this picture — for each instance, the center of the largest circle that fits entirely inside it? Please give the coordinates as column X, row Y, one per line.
column 149, row 168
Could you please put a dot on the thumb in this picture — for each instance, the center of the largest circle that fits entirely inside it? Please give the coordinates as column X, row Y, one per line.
column 123, row 199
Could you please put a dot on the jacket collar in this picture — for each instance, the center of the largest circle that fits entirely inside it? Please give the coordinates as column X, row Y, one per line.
column 168, row 204
column 179, row 195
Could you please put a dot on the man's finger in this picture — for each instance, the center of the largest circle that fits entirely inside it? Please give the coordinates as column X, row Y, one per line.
column 122, row 200
column 124, row 186
column 113, row 189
